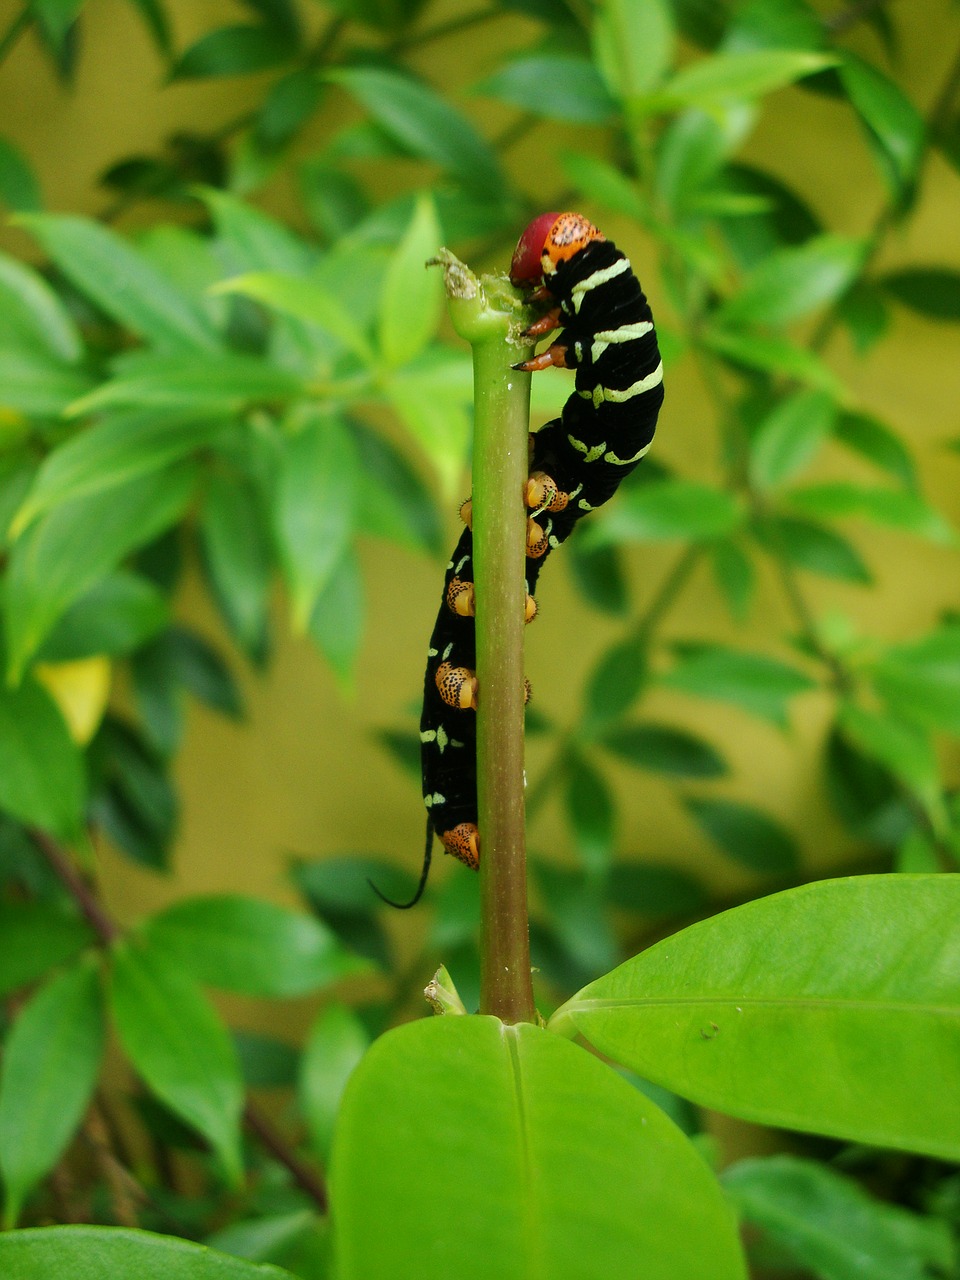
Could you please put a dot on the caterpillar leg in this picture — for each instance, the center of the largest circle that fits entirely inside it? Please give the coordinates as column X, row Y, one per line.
column 555, row 356
column 543, row 494
column 457, row 686
column 537, row 541
column 463, row 841
column 546, row 324
column 462, row 600
column 466, row 512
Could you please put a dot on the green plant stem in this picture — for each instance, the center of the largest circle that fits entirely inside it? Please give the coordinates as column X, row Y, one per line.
column 500, row 464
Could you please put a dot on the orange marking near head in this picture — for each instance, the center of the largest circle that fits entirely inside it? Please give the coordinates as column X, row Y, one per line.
column 569, row 234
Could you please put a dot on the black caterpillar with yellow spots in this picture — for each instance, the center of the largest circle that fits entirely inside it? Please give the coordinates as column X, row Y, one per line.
column 577, row 462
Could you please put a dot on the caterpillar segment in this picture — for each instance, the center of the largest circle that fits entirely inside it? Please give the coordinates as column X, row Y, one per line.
column 587, row 290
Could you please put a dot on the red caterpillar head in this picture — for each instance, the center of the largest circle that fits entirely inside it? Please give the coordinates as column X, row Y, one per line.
column 549, row 239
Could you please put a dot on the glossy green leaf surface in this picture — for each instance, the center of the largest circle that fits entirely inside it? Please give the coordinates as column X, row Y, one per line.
column 117, row 278
column 93, row 1253
column 828, row 1224
column 582, row 1175
column 42, row 779
column 833, row 1008
column 249, row 945
column 50, row 1064
column 177, row 1043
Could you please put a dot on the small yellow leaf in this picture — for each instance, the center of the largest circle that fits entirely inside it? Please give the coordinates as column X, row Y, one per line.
column 80, row 689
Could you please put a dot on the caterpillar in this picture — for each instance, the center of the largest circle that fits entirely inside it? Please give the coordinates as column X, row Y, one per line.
column 591, row 294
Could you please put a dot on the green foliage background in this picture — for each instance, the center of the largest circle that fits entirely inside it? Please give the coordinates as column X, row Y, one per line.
column 236, row 376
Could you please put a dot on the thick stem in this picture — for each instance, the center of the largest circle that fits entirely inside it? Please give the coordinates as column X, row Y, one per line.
column 484, row 314
column 499, row 542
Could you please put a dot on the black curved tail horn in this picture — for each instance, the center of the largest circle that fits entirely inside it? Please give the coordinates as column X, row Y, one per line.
column 425, row 871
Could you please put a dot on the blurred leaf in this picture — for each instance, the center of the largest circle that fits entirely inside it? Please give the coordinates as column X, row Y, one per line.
column 55, row 18
column 178, row 1044
column 557, row 86
column 614, row 682
column 917, row 855
column 661, row 748
column 266, row 1063
column 81, row 1253
column 155, row 19
column 203, row 385
column 920, row 681
column 746, row 835
column 735, row 577
column 234, row 50
column 864, row 312
column 753, row 681
column 789, row 220
column 664, row 511
column 724, row 77
column 110, row 271
column 412, row 295
column 471, row 1074
column 42, row 781
column 263, row 1239
column 36, row 384
column 384, row 15
column 889, row 117
column 653, row 891
column 253, row 240
column 237, row 557
column 690, row 152
column 315, row 508
column 599, row 576
column 932, row 291
column 591, row 812
column 828, row 1224
column 51, row 1061
column 633, row 46
column 774, row 24
column 903, row 749
column 878, row 443
column 114, row 617
column 36, row 937
column 812, row 547
column 577, row 914
column 114, row 452
column 394, row 503
column 603, row 183
column 133, row 799
column 772, row 355
column 336, row 1043
column 844, row 988
column 864, row 794
column 794, row 281
column 199, row 668
column 425, row 124
column 894, row 508
column 336, row 624
column 19, row 189
column 436, row 415
column 703, row 22
column 789, row 437
column 33, row 314
column 287, row 107
column 248, row 945
column 334, row 200
column 305, row 299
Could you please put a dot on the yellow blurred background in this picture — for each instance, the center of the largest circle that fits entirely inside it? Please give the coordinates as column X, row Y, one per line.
column 303, row 773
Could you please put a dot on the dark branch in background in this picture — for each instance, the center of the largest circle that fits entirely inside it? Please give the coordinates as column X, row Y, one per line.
column 107, row 932
column 848, row 18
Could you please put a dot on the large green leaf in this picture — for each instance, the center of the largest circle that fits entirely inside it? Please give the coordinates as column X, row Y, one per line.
column 50, row 1063
column 180, row 1047
column 427, row 125
column 248, row 945
column 93, row 1253
column 41, row 770
column 67, row 551
column 833, row 1008
column 564, row 1169
column 110, row 271
column 828, row 1224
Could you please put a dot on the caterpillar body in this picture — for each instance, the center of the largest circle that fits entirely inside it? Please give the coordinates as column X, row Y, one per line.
column 577, row 461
